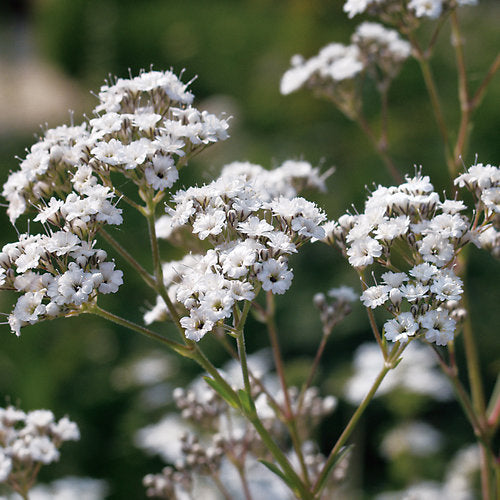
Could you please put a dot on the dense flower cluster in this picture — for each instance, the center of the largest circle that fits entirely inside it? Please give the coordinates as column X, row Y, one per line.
column 484, row 183
column 29, row 440
column 374, row 50
column 143, row 125
column 416, row 237
column 252, row 226
column 416, row 8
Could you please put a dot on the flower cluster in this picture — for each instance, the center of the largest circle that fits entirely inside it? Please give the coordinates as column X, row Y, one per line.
column 56, row 274
column 334, row 311
column 213, row 440
column 484, row 183
column 142, row 126
column 29, row 440
column 252, row 229
column 396, row 9
column 410, row 232
column 374, row 50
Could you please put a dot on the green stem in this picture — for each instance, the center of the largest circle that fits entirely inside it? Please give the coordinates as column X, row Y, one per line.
column 388, row 365
column 435, row 101
column 288, row 413
column 244, row 367
column 299, row 488
column 312, row 372
column 380, row 147
column 463, row 92
column 478, row 96
column 175, row 346
column 158, row 271
column 124, row 253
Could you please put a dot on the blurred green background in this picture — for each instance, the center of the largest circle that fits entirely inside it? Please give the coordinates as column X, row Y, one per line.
column 53, row 51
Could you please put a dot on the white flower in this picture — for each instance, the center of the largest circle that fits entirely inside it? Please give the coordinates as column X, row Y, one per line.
column 447, row 286
column 210, row 223
column 42, row 449
column 375, row 296
column 363, row 251
column 162, row 174
column 394, row 280
column 401, row 328
column 414, row 291
column 29, row 307
column 439, row 326
column 426, row 8
column 275, row 276
column 196, row 325
column 66, row 430
column 5, row 466
column 255, row 227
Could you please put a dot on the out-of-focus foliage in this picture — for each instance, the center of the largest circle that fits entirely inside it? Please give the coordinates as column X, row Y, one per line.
column 239, row 50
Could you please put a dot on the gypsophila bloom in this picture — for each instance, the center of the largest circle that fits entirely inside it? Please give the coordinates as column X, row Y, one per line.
column 143, row 126
column 253, row 221
column 410, row 219
column 29, row 440
column 394, row 10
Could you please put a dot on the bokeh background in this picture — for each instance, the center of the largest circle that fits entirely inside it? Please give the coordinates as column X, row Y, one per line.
column 52, row 52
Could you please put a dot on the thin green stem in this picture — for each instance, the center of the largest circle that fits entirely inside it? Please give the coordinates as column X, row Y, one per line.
column 244, row 367
column 463, row 92
column 158, row 271
column 278, row 361
column 288, row 413
column 300, row 489
column 478, row 96
column 435, row 100
column 220, row 485
column 312, row 371
column 131, row 260
column 175, row 346
column 388, row 365
column 380, row 147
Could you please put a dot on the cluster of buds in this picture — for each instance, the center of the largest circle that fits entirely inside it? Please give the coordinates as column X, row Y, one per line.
column 407, row 13
column 203, row 409
column 337, row 71
column 28, row 441
column 171, row 484
column 333, row 311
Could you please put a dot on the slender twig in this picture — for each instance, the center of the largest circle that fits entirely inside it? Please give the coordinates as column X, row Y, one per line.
column 278, row 361
column 463, row 92
column 185, row 351
column 312, row 371
column 478, row 96
column 380, row 147
column 131, row 260
column 435, row 100
column 388, row 365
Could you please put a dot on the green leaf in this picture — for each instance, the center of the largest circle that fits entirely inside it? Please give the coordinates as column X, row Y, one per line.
column 222, row 392
column 274, row 469
column 245, row 401
column 340, row 455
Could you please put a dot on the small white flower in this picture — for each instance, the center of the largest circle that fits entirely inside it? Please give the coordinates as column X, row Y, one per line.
column 363, row 251
column 375, row 296
column 401, row 328
column 440, row 327
column 275, row 276
column 162, row 174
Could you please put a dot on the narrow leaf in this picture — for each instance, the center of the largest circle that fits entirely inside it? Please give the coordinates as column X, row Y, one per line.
column 245, row 401
column 222, row 392
column 274, row 469
column 340, row 455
